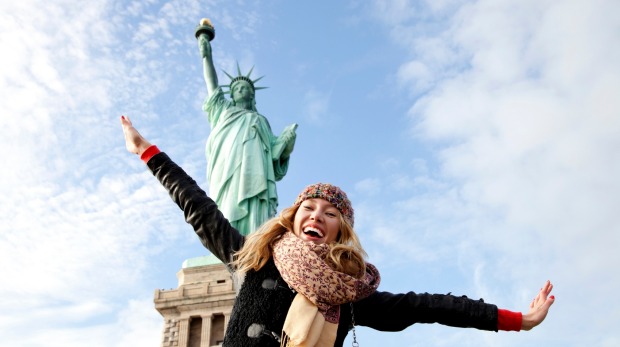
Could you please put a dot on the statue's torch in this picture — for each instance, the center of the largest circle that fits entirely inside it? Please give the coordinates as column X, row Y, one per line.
column 206, row 28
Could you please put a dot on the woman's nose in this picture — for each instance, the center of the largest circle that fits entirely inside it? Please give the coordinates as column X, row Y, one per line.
column 317, row 216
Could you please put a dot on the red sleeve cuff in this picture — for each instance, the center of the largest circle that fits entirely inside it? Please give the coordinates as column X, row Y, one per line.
column 508, row 320
column 149, row 153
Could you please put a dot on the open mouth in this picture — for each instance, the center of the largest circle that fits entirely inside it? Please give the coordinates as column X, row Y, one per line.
column 313, row 233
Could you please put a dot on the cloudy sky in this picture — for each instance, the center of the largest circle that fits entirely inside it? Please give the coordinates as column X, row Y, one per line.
column 478, row 140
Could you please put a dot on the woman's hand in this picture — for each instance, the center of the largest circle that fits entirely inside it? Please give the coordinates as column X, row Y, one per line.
column 134, row 142
column 538, row 308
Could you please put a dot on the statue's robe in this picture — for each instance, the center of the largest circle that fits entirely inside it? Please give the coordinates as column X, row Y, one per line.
column 244, row 162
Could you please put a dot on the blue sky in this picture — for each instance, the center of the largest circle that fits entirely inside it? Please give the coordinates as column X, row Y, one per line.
column 477, row 140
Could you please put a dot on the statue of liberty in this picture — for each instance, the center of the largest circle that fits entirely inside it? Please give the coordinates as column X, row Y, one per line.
column 244, row 157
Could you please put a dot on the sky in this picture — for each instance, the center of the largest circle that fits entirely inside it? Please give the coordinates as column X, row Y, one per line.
column 478, row 141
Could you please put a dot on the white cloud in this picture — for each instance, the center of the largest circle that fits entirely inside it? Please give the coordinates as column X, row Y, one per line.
column 513, row 134
column 527, row 127
column 75, row 236
column 316, row 106
column 369, row 186
column 394, row 12
column 415, row 74
column 138, row 324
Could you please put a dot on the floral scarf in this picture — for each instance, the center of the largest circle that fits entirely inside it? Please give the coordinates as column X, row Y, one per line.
column 312, row 319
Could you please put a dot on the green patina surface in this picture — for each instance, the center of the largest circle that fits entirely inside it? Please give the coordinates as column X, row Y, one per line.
column 200, row 261
column 244, row 158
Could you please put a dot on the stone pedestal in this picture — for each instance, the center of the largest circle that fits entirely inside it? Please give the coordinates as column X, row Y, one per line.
column 196, row 313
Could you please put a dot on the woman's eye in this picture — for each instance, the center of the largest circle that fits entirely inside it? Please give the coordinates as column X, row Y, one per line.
column 331, row 214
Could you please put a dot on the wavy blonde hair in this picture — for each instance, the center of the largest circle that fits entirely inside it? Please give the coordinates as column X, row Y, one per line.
column 345, row 255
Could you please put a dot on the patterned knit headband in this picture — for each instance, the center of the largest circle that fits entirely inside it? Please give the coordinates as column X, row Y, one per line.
column 330, row 193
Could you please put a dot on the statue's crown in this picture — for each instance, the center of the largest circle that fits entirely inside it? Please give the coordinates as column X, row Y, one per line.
column 242, row 77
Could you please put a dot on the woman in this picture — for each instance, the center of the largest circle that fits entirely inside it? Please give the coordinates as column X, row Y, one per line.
column 305, row 279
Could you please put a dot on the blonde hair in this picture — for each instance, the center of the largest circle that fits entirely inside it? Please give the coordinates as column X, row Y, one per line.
column 345, row 255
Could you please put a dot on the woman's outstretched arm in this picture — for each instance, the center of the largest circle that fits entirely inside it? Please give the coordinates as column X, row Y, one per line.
column 200, row 211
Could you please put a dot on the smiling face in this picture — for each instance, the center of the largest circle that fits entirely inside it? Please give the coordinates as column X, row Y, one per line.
column 317, row 221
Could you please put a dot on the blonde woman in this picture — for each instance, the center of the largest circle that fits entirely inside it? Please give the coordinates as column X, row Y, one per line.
column 306, row 282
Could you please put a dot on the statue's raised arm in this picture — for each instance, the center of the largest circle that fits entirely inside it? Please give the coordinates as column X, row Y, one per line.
column 205, row 33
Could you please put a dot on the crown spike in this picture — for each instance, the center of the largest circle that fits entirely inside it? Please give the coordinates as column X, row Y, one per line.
column 241, row 77
column 250, row 72
column 227, row 74
column 258, row 79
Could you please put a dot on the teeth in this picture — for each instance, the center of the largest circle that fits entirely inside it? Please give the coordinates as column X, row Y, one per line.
column 307, row 230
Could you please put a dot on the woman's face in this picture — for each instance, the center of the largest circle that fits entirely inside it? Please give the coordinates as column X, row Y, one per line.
column 317, row 221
